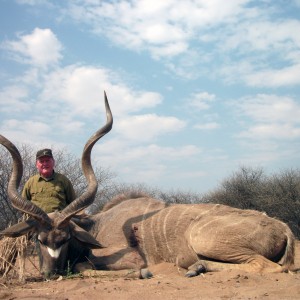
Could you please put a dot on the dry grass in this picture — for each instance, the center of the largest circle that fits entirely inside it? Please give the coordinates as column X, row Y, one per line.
column 13, row 252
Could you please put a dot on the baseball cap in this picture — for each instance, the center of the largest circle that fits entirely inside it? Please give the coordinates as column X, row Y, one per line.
column 44, row 152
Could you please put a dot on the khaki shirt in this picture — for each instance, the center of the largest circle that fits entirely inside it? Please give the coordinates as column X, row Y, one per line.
column 50, row 194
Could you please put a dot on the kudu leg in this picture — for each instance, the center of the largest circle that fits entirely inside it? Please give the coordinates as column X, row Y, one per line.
column 134, row 273
column 257, row 264
column 86, row 269
column 115, row 262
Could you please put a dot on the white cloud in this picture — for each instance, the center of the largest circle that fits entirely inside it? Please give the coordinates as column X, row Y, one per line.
column 259, row 34
column 138, row 24
column 201, row 101
column 37, row 128
column 269, row 108
column 203, row 33
column 272, row 131
column 196, row 38
column 129, row 159
column 161, row 33
column 34, row 2
column 260, row 56
column 41, row 133
column 261, row 75
column 169, row 50
column 69, row 100
column 274, row 117
column 207, row 126
column 12, row 99
column 41, row 48
column 285, row 76
column 154, row 152
column 152, row 162
column 81, row 89
column 143, row 128
column 26, row 130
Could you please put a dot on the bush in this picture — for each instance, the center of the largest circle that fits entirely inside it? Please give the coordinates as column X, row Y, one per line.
column 278, row 195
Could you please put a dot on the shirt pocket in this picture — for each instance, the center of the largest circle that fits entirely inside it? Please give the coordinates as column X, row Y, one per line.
column 36, row 192
column 58, row 191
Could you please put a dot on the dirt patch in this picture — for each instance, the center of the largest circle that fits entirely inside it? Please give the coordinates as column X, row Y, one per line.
column 168, row 283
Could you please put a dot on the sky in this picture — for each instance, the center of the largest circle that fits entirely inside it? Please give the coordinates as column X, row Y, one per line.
column 197, row 88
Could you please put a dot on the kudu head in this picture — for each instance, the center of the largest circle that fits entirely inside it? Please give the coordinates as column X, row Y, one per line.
column 55, row 231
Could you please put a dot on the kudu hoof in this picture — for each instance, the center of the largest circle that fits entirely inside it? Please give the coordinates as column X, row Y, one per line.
column 195, row 271
column 145, row 274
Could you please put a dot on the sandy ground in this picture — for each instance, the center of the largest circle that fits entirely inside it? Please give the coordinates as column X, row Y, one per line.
column 168, row 283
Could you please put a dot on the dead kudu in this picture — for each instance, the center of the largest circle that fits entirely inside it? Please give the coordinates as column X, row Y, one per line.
column 140, row 232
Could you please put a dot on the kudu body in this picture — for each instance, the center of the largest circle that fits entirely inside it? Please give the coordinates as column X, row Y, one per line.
column 140, row 232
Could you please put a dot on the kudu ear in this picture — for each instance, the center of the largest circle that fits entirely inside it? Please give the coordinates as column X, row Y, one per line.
column 20, row 228
column 84, row 237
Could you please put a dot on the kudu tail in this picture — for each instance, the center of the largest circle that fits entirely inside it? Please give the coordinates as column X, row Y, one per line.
column 287, row 260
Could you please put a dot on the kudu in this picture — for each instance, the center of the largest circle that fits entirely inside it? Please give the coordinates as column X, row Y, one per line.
column 140, row 232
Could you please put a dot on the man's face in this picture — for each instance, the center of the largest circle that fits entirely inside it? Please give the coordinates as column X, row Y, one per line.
column 45, row 166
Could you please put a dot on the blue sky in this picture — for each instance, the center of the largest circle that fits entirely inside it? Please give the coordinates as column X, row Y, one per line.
column 197, row 88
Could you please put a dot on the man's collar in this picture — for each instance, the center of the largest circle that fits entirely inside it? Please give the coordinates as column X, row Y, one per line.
column 48, row 178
